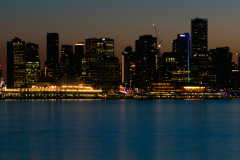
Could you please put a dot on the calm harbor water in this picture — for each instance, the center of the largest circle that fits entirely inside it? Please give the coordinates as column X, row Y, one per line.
column 120, row 129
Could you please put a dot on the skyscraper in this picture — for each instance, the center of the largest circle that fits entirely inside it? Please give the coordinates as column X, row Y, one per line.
column 53, row 48
column 99, row 63
column 221, row 66
column 181, row 48
column 199, row 36
column 127, row 58
column 51, row 65
column 79, row 48
column 95, row 49
column 180, row 45
column 16, row 60
column 32, row 64
column 66, row 61
column 79, row 55
column 99, row 48
column 199, row 39
column 145, row 61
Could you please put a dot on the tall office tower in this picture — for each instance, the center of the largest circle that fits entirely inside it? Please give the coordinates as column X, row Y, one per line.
column 99, row 48
column 79, row 55
column 234, row 77
column 105, row 47
column 16, row 63
column 127, row 58
column 51, row 65
column 168, row 65
column 220, row 67
column 79, row 48
column 67, row 60
column 107, row 75
column 181, row 53
column 146, row 61
column 95, row 49
column 199, row 37
column 32, row 64
column 97, row 60
column 181, row 44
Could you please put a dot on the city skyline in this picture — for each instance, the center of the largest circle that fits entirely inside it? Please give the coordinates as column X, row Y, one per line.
column 122, row 21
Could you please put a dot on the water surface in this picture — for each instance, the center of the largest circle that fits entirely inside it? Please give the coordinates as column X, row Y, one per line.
column 120, row 129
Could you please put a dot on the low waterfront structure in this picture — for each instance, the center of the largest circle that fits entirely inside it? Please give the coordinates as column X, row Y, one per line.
column 170, row 91
column 157, row 91
column 52, row 92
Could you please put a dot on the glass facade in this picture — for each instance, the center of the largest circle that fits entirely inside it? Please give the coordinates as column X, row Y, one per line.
column 199, row 36
column 16, row 59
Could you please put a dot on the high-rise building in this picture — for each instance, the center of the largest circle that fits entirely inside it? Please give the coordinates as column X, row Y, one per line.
column 221, row 66
column 66, row 60
column 181, row 44
column 23, row 64
column 53, row 48
column 99, row 62
column 234, row 77
column 79, row 48
column 107, row 72
column 168, row 65
column 200, row 56
column 199, row 37
column 16, row 63
column 79, row 55
column 99, row 48
column 127, row 58
column 32, row 64
column 181, row 48
column 145, row 61
column 51, row 65
column 95, row 49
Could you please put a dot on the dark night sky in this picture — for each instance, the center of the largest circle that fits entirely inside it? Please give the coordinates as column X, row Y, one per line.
column 124, row 21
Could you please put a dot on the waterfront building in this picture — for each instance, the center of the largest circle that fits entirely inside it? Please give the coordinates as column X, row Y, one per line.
column 181, row 44
column 168, row 65
column 23, row 64
column 79, row 55
column 51, row 65
column 16, row 63
column 199, row 36
column 32, row 64
column 97, row 54
column 48, row 91
column 234, row 77
column 199, row 70
column 66, row 61
column 127, row 66
column 107, row 76
column 200, row 56
column 174, row 66
column 221, row 67
column 96, row 48
column 166, row 90
column 145, row 61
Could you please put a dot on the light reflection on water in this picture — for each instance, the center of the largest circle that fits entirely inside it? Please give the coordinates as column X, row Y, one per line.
column 120, row 129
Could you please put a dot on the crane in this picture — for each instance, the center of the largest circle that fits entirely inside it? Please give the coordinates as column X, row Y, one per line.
column 160, row 42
